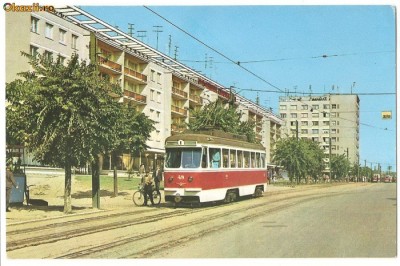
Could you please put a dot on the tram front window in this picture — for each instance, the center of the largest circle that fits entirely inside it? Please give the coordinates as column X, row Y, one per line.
column 185, row 158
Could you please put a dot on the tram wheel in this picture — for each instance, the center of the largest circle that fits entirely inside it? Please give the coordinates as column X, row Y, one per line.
column 230, row 196
column 258, row 192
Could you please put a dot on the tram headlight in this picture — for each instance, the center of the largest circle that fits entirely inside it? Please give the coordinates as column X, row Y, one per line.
column 190, row 179
column 170, row 179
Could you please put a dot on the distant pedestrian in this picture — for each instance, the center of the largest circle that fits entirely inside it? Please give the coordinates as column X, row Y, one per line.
column 10, row 183
column 148, row 189
column 157, row 176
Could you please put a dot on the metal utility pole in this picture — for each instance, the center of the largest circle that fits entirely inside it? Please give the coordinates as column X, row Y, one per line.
column 169, row 45
column 142, row 34
column 131, row 29
column 157, row 30
column 176, row 52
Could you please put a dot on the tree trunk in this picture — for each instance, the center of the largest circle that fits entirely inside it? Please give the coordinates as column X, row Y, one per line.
column 67, row 189
column 114, row 159
column 96, row 183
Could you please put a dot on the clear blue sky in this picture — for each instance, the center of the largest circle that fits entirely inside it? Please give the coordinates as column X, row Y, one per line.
column 290, row 42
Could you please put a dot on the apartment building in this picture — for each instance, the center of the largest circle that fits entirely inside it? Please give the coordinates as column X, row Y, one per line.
column 332, row 120
column 44, row 33
column 162, row 88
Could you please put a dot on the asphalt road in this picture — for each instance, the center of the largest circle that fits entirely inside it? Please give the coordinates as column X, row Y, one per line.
column 357, row 224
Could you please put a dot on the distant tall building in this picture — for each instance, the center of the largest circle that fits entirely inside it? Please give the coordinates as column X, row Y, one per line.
column 335, row 117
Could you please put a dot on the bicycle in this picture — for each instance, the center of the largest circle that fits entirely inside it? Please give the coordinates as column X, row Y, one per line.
column 138, row 196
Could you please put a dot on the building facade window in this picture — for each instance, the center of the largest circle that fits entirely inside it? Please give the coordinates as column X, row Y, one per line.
column 152, row 95
column 158, row 97
column 315, row 115
column 315, row 131
column 304, row 123
column 304, row 115
column 62, row 59
column 326, row 106
column 158, row 78
column 48, row 55
column 74, row 41
column 63, row 36
column 152, row 74
column 282, row 107
column 34, row 25
column 293, row 107
column 304, row 107
column 304, row 131
column 49, row 31
column 34, row 50
column 315, row 106
column 283, row 115
column 315, row 123
column 293, row 115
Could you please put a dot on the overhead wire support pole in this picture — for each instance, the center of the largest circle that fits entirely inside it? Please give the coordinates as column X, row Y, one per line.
column 157, row 31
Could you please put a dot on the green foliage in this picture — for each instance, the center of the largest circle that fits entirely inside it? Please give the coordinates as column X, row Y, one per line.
column 65, row 114
column 340, row 166
column 62, row 113
column 301, row 158
column 217, row 115
column 133, row 130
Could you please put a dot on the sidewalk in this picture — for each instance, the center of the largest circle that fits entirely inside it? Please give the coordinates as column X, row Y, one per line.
column 51, row 189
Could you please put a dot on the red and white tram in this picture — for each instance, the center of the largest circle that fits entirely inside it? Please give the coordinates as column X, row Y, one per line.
column 204, row 167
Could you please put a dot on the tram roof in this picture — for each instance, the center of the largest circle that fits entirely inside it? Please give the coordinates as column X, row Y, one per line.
column 215, row 137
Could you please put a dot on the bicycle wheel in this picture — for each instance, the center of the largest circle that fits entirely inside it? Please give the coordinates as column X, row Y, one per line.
column 138, row 198
column 156, row 197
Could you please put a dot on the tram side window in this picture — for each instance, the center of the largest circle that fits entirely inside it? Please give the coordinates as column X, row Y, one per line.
column 204, row 159
column 225, row 158
column 262, row 160
column 253, row 160
column 215, row 158
column 246, row 159
column 258, row 162
column 240, row 159
column 232, row 158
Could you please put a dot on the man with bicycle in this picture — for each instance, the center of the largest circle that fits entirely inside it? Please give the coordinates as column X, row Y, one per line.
column 148, row 189
column 157, row 176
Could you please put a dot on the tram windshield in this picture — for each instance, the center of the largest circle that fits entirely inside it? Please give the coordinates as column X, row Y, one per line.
column 185, row 158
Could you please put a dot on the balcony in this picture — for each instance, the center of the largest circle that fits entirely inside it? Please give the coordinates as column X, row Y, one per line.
column 136, row 97
column 107, row 64
column 178, row 112
column 180, row 94
column 195, row 99
column 177, row 128
column 135, row 76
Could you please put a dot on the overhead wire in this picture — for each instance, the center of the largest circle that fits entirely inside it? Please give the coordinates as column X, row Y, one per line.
column 239, row 64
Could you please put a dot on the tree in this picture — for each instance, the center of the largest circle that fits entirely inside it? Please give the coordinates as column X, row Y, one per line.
column 340, row 166
column 301, row 158
column 315, row 159
column 290, row 155
column 63, row 113
column 133, row 130
column 226, row 118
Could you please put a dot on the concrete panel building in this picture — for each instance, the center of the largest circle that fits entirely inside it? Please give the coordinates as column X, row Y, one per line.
column 332, row 120
column 153, row 83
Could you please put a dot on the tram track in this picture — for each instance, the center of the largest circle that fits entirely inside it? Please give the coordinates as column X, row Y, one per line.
column 81, row 227
column 207, row 219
